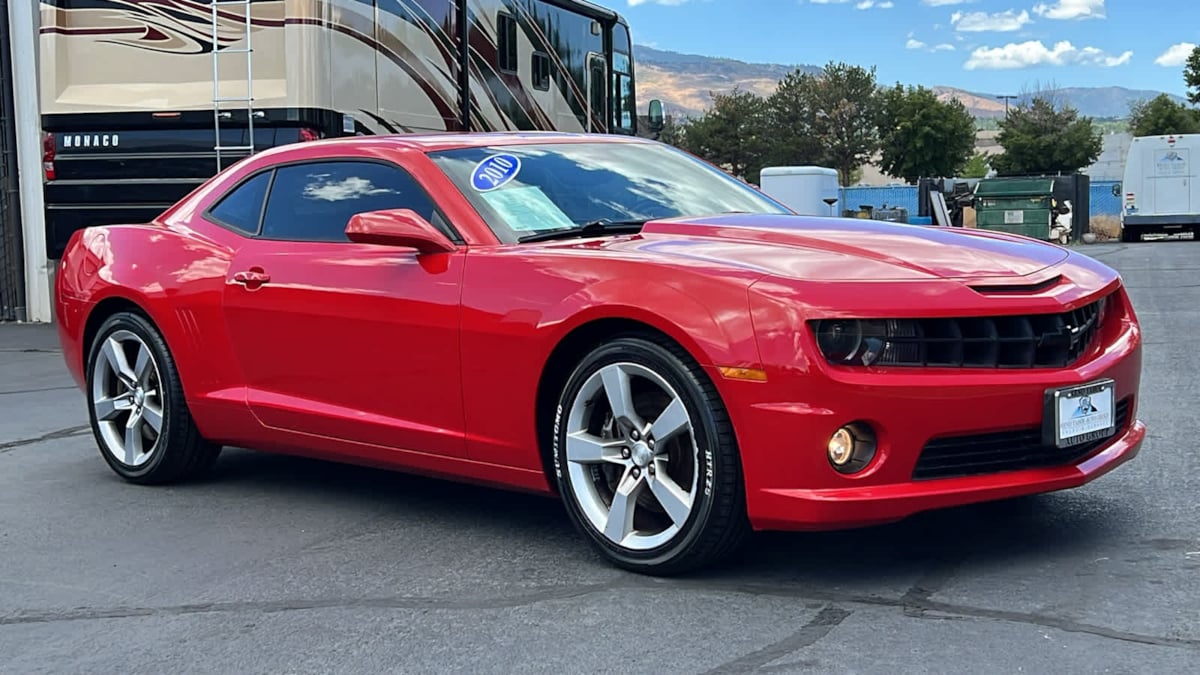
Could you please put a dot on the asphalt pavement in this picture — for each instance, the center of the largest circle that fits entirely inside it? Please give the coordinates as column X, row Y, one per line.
column 278, row 564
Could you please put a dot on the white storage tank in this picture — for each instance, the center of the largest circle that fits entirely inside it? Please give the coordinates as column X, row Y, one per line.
column 803, row 189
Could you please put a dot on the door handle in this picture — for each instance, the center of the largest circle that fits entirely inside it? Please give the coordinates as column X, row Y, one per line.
column 252, row 278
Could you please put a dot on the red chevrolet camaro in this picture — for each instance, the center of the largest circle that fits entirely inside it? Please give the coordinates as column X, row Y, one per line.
column 677, row 356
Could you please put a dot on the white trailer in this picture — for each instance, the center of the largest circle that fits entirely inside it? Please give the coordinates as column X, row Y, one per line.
column 807, row 190
column 1162, row 190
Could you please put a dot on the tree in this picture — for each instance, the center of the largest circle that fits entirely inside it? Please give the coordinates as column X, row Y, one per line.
column 1040, row 138
column 1160, row 116
column 792, row 119
column 923, row 136
column 673, row 131
column 844, row 102
column 732, row 134
column 976, row 167
column 1191, row 76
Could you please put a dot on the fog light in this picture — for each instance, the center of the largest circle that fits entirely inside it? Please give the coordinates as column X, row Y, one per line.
column 841, row 447
column 852, row 447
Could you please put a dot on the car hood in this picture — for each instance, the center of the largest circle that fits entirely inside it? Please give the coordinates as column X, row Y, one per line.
column 816, row 249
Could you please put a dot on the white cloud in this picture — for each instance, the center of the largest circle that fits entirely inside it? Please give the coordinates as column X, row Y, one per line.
column 868, row 4
column 829, row 2
column 943, row 3
column 1033, row 53
column 1071, row 9
column 979, row 22
column 914, row 43
column 1176, row 55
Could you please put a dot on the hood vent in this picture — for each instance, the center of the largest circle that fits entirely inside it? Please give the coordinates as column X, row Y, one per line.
column 1018, row 289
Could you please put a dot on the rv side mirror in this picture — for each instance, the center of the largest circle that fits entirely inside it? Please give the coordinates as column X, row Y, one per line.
column 656, row 116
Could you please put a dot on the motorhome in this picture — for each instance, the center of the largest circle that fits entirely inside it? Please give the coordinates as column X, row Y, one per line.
column 1162, row 192
column 143, row 101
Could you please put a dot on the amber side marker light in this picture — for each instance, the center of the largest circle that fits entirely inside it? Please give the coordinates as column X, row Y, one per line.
column 751, row 374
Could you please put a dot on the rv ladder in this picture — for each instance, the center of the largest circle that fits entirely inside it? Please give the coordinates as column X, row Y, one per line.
column 219, row 101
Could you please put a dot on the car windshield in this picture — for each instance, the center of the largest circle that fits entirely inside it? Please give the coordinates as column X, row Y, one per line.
column 527, row 190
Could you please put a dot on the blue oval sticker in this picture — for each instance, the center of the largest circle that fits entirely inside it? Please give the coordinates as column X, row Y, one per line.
column 495, row 171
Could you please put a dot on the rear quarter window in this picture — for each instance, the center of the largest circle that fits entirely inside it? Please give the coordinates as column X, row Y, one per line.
column 242, row 208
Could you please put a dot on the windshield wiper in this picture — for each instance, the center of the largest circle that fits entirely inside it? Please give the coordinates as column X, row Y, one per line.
column 594, row 228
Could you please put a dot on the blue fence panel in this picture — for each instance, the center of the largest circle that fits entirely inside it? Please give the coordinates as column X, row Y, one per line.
column 1103, row 201
column 893, row 196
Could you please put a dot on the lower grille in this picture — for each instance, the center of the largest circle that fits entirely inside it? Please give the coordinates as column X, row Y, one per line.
column 1008, row 451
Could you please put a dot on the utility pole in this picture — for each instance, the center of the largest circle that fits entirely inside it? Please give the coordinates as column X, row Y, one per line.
column 1006, row 98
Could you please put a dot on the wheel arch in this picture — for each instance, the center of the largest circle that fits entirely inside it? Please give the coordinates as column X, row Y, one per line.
column 101, row 312
column 569, row 350
column 114, row 304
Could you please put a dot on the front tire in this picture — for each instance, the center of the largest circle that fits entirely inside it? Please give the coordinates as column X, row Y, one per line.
column 646, row 459
column 138, row 414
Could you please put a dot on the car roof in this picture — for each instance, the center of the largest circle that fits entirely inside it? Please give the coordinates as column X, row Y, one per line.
column 433, row 142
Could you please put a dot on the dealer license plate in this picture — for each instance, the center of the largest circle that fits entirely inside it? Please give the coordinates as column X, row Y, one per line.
column 1081, row 414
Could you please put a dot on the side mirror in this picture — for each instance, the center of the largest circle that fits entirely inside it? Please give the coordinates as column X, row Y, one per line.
column 398, row 227
column 656, row 116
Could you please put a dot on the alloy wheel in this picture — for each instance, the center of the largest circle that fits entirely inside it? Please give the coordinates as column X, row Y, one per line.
column 127, row 398
column 632, row 456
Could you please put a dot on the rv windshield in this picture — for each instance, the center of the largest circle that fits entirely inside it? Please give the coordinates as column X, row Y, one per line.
column 527, row 190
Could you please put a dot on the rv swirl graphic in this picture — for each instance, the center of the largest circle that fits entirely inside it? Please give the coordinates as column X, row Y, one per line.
column 169, row 26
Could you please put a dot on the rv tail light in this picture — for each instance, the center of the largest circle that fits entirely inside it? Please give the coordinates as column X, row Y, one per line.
column 48, row 151
column 307, row 134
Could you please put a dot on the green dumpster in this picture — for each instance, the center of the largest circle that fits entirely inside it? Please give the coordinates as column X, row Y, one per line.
column 1021, row 206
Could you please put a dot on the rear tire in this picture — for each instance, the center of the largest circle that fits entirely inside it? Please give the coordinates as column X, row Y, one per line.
column 1129, row 236
column 646, row 459
column 136, row 404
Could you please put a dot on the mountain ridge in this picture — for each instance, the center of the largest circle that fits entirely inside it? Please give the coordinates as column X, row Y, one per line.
column 685, row 82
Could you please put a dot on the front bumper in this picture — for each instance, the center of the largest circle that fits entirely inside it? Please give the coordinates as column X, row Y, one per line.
column 860, row 506
column 783, row 427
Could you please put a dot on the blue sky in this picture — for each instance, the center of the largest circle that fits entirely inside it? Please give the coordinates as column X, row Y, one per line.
column 989, row 46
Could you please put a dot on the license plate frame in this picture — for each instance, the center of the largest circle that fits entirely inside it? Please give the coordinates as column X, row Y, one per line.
column 1066, row 424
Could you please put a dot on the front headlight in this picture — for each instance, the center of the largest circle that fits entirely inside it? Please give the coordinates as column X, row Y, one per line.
column 851, row 340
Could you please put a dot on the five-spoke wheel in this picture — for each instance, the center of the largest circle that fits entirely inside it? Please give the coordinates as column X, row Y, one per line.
column 127, row 398
column 632, row 462
column 137, row 408
column 646, row 460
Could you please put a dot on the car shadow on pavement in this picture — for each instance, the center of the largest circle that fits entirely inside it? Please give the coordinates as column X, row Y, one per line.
column 990, row 536
column 979, row 538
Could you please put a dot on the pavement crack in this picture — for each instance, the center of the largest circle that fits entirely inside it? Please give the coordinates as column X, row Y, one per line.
column 36, row 391
column 22, row 617
column 830, row 617
column 29, row 350
column 50, row 436
column 1057, row 623
column 928, row 585
column 912, row 604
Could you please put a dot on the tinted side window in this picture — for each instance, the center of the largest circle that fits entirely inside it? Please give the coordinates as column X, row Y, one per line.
column 506, row 42
column 242, row 208
column 314, row 202
column 541, row 71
